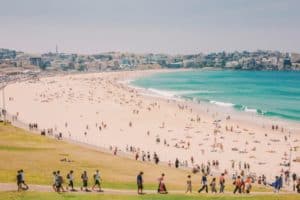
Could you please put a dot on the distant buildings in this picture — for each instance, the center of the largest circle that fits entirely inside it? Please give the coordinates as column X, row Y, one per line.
column 36, row 61
column 244, row 60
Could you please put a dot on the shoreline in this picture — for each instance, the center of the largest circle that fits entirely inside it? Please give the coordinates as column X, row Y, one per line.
column 116, row 104
column 214, row 105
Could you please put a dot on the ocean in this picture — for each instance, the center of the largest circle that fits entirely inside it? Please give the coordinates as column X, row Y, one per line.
column 268, row 93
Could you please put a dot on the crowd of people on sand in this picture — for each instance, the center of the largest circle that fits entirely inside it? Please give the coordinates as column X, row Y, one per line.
column 241, row 184
column 33, row 126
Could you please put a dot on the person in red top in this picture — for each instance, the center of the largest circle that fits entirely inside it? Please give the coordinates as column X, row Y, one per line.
column 248, row 182
column 238, row 185
column 222, row 183
column 161, row 185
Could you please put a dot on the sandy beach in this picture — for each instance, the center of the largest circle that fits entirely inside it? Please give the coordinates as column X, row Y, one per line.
column 102, row 110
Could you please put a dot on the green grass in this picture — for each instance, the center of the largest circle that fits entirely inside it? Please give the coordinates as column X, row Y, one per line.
column 16, row 148
column 54, row 196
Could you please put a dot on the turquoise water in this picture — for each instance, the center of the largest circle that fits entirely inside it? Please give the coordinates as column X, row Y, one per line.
column 269, row 93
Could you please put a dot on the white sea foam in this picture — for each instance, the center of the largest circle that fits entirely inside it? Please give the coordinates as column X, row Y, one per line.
column 126, row 81
column 250, row 110
column 219, row 103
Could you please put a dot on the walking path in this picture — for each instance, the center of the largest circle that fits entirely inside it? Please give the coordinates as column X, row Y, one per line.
column 9, row 187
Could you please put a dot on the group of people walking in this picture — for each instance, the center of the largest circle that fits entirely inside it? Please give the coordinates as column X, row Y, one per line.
column 241, row 185
column 58, row 182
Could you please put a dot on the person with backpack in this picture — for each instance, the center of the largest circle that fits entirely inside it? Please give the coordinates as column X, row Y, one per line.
column 70, row 178
column 222, row 183
column 97, row 181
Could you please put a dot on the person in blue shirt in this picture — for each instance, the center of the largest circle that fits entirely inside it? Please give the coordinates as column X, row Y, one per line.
column 139, row 181
column 204, row 184
column 276, row 184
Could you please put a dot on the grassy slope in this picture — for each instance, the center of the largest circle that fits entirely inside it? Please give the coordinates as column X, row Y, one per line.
column 39, row 156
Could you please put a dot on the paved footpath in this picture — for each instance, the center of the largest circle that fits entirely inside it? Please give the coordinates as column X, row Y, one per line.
column 9, row 187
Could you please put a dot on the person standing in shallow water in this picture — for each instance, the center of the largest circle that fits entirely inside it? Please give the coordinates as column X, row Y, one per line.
column 139, row 181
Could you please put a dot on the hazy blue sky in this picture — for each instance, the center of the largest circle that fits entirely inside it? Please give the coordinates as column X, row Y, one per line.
column 169, row 26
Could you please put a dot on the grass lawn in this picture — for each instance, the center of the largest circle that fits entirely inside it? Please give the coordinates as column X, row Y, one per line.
column 54, row 196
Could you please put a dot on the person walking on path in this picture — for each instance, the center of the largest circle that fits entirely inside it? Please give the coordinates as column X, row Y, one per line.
column 213, row 185
column 238, row 185
column 248, row 185
column 294, row 178
column 276, row 184
column 204, row 184
column 54, row 181
column 59, row 182
column 21, row 181
column 298, row 185
column 222, row 183
column 188, row 184
column 139, row 182
column 97, row 180
column 70, row 178
column 161, row 185
column 84, row 178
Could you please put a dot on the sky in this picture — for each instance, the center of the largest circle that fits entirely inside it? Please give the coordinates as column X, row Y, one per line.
column 149, row 26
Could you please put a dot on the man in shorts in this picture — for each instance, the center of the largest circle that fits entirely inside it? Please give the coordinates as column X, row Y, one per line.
column 84, row 178
column 97, row 181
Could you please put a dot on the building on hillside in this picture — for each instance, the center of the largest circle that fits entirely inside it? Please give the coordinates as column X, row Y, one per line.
column 36, row 61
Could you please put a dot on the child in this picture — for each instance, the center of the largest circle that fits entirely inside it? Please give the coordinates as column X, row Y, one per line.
column 188, row 184
column 213, row 185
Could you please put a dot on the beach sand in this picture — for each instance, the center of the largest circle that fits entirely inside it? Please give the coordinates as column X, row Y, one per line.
column 77, row 105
